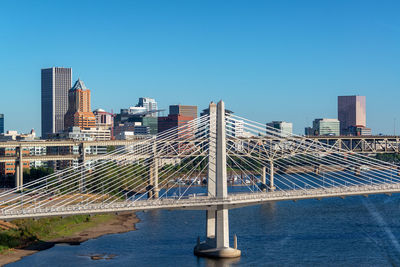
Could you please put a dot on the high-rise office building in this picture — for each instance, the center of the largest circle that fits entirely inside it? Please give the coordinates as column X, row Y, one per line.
column 79, row 113
column 322, row 127
column 183, row 110
column 179, row 115
column 104, row 119
column 1, row 123
column 282, row 128
column 351, row 112
column 55, row 85
column 176, row 120
column 235, row 127
column 149, row 103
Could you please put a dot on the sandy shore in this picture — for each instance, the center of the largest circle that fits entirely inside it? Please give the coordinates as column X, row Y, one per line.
column 123, row 222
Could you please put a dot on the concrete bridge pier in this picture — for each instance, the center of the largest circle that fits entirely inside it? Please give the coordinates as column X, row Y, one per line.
column 210, row 224
column 271, row 175
column 150, row 186
column 19, row 169
column 82, row 160
column 17, row 176
column 264, row 178
column 217, row 243
column 317, row 169
column 153, row 190
column 156, row 190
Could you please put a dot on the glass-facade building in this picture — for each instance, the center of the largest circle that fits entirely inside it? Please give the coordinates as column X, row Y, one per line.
column 282, row 128
column 326, row 127
column 1, row 123
column 55, row 83
column 149, row 103
column 151, row 123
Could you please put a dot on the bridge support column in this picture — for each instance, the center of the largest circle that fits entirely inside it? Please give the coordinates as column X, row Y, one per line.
column 19, row 169
column 271, row 175
column 156, row 190
column 152, row 188
column 16, row 175
column 219, row 246
column 264, row 179
column 317, row 169
column 82, row 160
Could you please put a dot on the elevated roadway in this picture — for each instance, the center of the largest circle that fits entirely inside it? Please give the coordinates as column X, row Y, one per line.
column 266, row 145
column 235, row 200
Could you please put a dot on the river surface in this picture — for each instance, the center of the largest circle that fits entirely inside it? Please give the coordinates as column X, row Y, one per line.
column 355, row 231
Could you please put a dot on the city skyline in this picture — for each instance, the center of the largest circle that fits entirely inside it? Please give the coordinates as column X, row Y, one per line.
column 141, row 98
column 151, row 104
column 257, row 58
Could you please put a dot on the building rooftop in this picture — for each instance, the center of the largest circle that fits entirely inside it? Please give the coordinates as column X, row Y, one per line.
column 79, row 85
column 327, row 120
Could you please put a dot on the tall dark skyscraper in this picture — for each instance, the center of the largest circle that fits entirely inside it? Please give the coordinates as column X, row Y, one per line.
column 351, row 112
column 55, row 85
column 1, row 123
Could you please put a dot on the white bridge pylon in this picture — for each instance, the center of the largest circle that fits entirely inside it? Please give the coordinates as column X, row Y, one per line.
column 216, row 162
column 217, row 242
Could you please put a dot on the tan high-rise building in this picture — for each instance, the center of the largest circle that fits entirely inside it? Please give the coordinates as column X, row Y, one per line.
column 79, row 112
column 183, row 110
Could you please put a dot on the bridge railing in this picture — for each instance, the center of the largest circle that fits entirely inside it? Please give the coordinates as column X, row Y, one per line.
column 202, row 201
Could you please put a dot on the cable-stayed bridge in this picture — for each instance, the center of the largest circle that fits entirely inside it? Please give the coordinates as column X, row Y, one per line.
column 206, row 164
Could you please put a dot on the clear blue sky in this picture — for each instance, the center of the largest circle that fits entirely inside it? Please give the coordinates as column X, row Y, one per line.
column 268, row 60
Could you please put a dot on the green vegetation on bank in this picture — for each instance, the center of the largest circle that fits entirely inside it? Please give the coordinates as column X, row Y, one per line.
column 29, row 231
column 389, row 157
column 29, row 175
column 36, row 173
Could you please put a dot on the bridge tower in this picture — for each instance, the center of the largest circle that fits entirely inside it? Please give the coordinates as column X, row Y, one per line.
column 217, row 226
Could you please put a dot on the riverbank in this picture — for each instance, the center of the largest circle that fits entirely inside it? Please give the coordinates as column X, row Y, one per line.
column 45, row 233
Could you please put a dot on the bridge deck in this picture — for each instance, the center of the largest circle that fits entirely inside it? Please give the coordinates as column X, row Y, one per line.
column 196, row 203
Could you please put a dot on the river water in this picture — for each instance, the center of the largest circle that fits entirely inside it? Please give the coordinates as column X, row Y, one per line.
column 355, row 231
